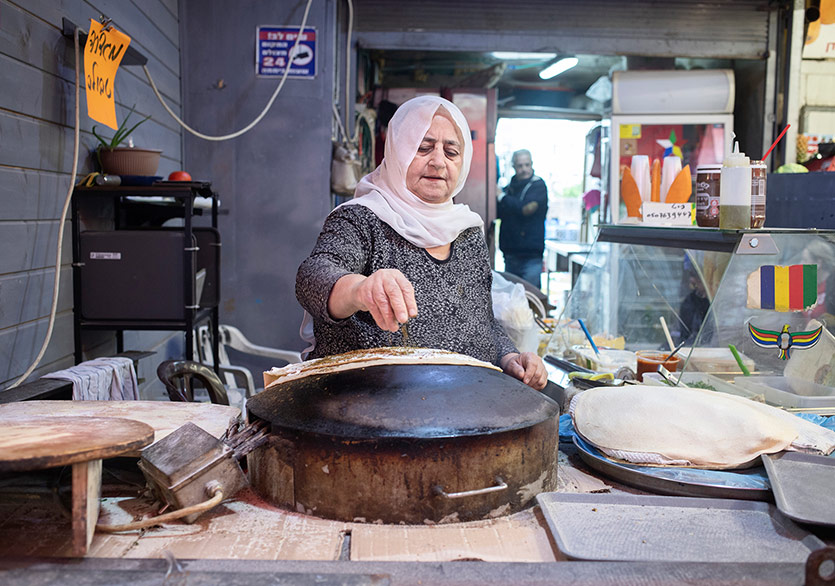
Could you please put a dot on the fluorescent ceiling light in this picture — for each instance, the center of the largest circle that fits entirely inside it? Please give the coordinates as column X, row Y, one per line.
column 558, row 67
column 513, row 56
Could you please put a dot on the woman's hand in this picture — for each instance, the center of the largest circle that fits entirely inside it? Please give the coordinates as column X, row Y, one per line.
column 387, row 294
column 527, row 367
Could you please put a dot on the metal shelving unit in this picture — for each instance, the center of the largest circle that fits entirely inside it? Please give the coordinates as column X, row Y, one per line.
column 113, row 213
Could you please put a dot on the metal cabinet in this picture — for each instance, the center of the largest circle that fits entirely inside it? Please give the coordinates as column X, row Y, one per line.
column 133, row 272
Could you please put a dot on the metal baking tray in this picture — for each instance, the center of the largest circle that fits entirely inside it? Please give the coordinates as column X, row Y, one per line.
column 802, row 485
column 626, row 527
column 745, row 484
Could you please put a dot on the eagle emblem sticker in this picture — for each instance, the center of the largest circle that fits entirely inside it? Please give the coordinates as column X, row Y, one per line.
column 784, row 340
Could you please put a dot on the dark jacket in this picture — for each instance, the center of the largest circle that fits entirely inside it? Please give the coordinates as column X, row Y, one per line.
column 520, row 234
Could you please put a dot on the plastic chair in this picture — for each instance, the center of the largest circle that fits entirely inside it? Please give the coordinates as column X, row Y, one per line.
column 237, row 376
column 177, row 377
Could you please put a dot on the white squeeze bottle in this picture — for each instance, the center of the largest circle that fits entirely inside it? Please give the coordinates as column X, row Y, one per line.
column 735, row 191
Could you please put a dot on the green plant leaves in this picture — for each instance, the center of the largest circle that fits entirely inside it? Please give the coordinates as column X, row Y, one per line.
column 121, row 133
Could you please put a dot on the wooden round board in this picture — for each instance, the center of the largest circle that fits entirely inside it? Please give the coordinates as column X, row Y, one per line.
column 45, row 442
column 163, row 416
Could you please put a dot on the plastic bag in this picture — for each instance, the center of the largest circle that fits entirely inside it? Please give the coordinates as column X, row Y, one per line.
column 510, row 306
column 345, row 169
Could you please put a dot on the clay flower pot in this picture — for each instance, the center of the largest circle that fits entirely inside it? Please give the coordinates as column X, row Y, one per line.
column 129, row 161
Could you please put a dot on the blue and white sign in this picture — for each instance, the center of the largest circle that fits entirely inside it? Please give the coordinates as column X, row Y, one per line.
column 274, row 49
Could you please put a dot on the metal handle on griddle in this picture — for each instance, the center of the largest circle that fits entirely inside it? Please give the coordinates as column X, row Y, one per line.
column 500, row 485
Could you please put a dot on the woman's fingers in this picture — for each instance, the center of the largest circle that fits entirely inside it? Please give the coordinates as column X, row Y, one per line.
column 390, row 298
column 528, row 368
column 377, row 303
column 510, row 365
column 408, row 292
column 384, row 315
column 401, row 295
column 396, row 299
column 536, row 376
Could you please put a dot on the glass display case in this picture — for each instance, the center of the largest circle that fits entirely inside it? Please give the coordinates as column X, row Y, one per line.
column 769, row 293
column 698, row 139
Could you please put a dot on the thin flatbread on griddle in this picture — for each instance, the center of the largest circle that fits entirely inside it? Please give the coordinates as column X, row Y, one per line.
column 678, row 427
column 369, row 357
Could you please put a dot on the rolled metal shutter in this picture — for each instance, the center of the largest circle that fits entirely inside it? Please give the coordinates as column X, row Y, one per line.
column 736, row 29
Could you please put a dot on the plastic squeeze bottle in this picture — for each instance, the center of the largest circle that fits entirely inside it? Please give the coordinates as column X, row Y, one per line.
column 735, row 191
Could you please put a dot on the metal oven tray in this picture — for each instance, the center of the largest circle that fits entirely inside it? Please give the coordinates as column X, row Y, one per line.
column 746, row 484
column 598, row 527
column 802, row 485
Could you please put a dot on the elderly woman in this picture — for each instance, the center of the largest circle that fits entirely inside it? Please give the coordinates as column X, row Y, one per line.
column 401, row 251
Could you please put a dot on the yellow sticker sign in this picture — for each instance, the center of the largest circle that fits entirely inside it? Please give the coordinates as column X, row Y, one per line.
column 630, row 131
column 102, row 55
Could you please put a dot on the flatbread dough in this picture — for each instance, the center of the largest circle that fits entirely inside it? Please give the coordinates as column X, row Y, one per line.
column 811, row 437
column 370, row 357
column 681, row 426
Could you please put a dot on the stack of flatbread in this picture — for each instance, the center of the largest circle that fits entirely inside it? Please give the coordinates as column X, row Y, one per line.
column 662, row 426
column 369, row 357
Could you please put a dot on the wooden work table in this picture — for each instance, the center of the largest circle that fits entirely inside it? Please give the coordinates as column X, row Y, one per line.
column 250, row 538
column 52, row 435
column 247, row 539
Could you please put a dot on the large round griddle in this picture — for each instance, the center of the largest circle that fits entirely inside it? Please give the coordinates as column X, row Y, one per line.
column 417, row 401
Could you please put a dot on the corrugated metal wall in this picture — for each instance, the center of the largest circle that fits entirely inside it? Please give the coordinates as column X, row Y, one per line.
column 36, row 144
column 714, row 28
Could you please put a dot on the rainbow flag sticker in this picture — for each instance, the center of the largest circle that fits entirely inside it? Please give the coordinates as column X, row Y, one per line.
column 791, row 288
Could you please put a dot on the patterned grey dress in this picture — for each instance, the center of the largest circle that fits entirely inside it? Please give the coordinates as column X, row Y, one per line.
column 455, row 310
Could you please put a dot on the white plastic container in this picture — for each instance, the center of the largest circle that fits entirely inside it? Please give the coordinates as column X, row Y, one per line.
column 735, row 192
column 704, row 380
column 670, row 169
column 789, row 392
column 607, row 361
column 716, row 360
column 641, row 173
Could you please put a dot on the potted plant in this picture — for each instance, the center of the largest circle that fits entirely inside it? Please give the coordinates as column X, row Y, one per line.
column 125, row 160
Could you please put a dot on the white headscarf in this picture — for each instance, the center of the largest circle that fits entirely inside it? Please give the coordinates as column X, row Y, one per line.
column 384, row 190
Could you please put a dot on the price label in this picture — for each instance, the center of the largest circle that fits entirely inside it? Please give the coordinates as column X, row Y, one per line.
column 668, row 214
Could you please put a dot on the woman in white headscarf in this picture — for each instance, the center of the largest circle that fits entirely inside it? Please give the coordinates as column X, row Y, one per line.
column 401, row 251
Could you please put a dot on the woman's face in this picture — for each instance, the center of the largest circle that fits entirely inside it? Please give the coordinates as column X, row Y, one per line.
column 433, row 173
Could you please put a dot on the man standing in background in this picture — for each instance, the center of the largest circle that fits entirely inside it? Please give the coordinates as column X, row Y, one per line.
column 522, row 209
